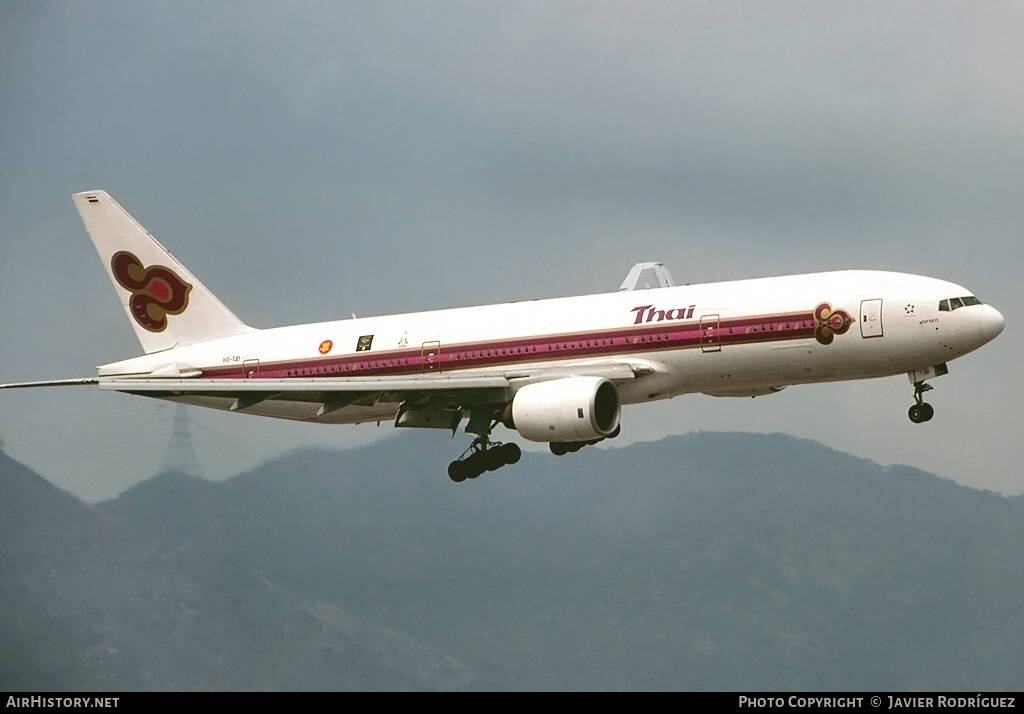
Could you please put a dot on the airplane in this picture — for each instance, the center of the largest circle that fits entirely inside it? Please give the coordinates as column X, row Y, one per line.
column 556, row 371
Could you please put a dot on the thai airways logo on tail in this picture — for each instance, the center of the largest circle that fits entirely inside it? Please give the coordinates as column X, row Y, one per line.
column 156, row 291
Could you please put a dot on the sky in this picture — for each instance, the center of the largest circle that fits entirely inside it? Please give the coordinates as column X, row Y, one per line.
column 311, row 160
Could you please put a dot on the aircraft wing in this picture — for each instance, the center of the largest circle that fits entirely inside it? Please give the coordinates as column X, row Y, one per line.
column 435, row 394
column 425, row 400
column 430, row 401
column 298, row 386
column 444, row 382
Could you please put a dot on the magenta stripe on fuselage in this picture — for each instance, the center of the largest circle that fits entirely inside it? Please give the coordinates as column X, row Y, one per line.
column 475, row 355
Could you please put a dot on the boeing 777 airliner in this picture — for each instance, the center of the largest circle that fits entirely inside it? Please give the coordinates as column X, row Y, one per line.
column 555, row 371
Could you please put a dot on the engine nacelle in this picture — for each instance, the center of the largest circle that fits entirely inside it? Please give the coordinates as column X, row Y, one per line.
column 569, row 409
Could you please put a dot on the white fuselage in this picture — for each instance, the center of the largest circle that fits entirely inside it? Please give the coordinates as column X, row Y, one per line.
column 735, row 338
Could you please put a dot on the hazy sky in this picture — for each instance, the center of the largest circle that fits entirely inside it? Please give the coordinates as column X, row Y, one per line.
column 309, row 160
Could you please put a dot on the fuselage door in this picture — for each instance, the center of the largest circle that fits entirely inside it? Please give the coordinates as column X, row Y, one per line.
column 709, row 339
column 431, row 353
column 871, row 318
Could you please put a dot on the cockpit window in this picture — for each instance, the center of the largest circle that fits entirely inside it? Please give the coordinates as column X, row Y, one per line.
column 958, row 302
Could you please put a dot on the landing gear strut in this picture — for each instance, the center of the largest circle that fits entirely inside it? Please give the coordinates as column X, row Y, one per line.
column 483, row 455
column 920, row 411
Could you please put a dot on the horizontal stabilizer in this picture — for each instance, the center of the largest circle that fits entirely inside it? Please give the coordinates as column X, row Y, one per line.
column 644, row 276
column 52, row 383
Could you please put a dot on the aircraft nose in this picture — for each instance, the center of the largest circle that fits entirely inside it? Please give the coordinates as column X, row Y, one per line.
column 991, row 322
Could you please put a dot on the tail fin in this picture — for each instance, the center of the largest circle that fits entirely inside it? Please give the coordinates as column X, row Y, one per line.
column 165, row 303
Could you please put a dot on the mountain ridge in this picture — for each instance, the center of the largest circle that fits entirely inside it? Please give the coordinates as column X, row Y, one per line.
column 718, row 561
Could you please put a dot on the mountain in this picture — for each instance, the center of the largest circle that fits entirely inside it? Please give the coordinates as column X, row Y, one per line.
column 711, row 561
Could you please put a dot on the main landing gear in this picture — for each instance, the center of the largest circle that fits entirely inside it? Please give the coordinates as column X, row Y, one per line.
column 483, row 455
column 920, row 411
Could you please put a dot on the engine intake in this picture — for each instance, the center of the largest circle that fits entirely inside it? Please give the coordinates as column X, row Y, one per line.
column 568, row 409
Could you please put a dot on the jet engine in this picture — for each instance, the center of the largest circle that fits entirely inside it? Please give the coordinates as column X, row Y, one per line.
column 571, row 409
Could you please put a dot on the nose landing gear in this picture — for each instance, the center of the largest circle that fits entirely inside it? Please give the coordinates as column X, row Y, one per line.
column 920, row 411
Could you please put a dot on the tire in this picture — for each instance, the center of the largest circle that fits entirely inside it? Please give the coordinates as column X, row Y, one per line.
column 455, row 472
column 558, row 448
column 473, row 466
column 492, row 459
column 512, row 453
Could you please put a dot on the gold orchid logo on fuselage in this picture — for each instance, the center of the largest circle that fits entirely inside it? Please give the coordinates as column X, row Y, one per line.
column 156, row 291
column 829, row 323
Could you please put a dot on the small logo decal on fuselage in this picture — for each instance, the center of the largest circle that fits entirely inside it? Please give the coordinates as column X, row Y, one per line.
column 326, row 346
column 364, row 343
column 156, row 291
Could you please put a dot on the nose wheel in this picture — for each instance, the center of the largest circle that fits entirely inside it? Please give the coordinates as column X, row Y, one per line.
column 921, row 411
